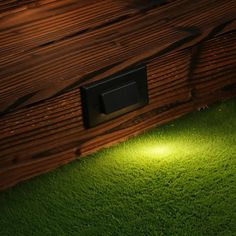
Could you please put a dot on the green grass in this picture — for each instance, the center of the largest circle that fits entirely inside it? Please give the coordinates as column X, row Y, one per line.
column 178, row 179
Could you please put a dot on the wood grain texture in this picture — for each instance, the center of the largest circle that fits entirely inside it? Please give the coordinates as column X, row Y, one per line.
column 36, row 64
column 49, row 48
column 42, row 137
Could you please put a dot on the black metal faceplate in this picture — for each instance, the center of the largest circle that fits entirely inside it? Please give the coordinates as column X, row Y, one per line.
column 114, row 96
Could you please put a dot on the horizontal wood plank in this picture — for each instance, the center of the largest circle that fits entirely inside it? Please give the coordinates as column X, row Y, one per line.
column 42, row 137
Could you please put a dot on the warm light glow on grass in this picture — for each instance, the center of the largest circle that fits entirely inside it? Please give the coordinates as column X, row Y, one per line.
column 174, row 180
column 167, row 148
column 157, row 150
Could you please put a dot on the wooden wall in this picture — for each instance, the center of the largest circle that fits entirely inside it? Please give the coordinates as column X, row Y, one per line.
column 49, row 48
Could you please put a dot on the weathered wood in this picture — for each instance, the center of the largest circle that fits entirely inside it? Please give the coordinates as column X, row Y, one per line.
column 40, row 138
column 39, row 63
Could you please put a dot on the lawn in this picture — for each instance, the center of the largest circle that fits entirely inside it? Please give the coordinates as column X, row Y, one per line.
column 177, row 179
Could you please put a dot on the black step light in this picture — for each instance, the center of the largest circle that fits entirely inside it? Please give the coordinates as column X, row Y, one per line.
column 114, row 96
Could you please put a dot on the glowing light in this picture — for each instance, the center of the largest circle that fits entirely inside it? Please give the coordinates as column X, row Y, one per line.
column 157, row 150
column 153, row 151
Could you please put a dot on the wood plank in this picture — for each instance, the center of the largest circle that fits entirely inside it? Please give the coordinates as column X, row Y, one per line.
column 20, row 36
column 15, row 13
column 11, row 176
column 42, row 137
column 44, row 72
column 15, row 7
column 61, row 19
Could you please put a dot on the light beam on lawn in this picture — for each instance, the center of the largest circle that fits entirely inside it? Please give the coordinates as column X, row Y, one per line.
column 157, row 150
